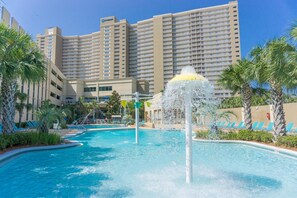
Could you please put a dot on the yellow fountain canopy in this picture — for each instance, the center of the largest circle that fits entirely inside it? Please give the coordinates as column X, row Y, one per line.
column 187, row 77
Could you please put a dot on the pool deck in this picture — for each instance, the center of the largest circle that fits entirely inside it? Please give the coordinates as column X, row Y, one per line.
column 7, row 155
column 68, row 133
column 273, row 149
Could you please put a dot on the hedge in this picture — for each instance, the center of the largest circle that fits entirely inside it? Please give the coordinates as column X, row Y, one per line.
column 28, row 139
column 288, row 141
column 247, row 135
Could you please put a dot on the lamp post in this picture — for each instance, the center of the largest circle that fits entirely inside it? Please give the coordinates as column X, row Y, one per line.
column 137, row 105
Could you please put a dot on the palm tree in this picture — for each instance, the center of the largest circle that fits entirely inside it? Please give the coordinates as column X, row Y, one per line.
column 19, row 59
column 276, row 63
column 293, row 31
column 47, row 114
column 22, row 97
column 237, row 78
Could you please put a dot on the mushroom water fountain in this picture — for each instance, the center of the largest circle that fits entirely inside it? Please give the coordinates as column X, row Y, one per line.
column 184, row 95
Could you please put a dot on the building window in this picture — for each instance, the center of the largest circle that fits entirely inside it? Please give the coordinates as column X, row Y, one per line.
column 89, row 89
column 105, row 88
column 53, row 95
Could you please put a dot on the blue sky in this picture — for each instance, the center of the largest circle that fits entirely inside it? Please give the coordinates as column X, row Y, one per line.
column 260, row 20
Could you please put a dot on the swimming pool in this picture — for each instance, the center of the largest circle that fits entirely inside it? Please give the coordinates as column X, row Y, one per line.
column 103, row 126
column 109, row 164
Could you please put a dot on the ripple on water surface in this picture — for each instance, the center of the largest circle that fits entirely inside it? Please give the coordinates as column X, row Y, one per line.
column 111, row 165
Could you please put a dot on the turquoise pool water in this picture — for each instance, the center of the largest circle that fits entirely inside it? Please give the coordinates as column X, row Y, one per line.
column 102, row 126
column 109, row 164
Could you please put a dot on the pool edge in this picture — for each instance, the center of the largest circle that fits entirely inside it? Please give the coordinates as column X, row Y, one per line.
column 277, row 150
column 10, row 154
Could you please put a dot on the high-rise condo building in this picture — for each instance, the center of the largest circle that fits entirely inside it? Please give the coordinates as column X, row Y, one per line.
column 154, row 49
column 52, row 88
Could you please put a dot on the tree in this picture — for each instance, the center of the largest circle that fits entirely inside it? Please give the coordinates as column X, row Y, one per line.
column 131, row 107
column 21, row 97
column 91, row 107
column 237, row 78
column 276, row 64
column 293, row 31
column 113, row 104
column 19, row 59
column 48, row 114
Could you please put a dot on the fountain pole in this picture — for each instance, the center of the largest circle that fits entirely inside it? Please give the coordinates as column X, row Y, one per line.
column 136, row 117
column 188, row 128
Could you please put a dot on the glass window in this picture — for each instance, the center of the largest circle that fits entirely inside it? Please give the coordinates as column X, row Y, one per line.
column 89, row 89
column 105, row 88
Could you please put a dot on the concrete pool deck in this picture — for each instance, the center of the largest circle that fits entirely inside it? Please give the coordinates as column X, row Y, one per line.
column 7, row 155
column 64, row 134
column 271, row 148
column 68, row 133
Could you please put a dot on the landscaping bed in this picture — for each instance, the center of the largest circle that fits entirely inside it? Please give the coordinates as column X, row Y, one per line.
column 27, row 139
column 289, row 141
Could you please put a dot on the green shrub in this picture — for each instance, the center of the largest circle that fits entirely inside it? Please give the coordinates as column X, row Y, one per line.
column 229, row 136
column 3, row 143
column 288, row 141
column 262, row 136
column 245, row 135
column 28, row 139
column 202, row 134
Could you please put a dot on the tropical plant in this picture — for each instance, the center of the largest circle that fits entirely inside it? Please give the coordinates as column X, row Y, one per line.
column 48, row 114
column 93, row 106
column 19, row 59
column 113, row 104
column 225, row 115
column 293, row 31
column 130, row 106
column 21, row 105
column 276, row 64
column 237, row 78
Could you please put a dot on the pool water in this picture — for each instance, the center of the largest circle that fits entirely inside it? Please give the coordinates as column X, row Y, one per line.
column 102, row 126
column 109, row 164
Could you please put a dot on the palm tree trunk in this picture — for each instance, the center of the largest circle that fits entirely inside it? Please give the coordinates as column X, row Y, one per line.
column 20, row 118
column 247, row 103
column 8, row 90
column 278, row 111
column 43, row 128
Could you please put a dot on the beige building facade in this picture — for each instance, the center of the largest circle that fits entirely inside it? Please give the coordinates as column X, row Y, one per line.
column 101, row 90
column 51, row 89
column 155, row 49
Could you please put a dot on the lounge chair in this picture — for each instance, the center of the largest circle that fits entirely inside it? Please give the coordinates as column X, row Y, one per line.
column 240, row 125
column 269, row 127
column 218, row 124
column 289, row 127
column 18, row 129
column 30, row 125
column 57, row 126
column 35, row 123
column 222, row 124
column 260, row 126
column 255, row 125
column 230, row 125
